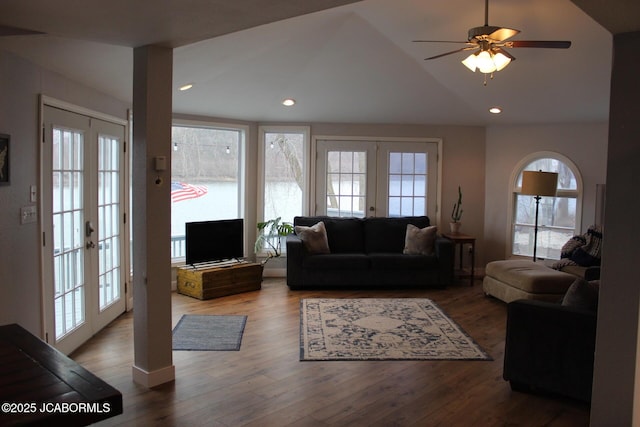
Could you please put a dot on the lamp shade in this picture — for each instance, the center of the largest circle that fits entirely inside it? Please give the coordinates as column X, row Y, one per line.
column 471, row 62
column 539, row 183
column 501, row 61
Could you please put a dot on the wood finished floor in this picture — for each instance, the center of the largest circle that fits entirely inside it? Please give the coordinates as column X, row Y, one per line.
column 265, row 384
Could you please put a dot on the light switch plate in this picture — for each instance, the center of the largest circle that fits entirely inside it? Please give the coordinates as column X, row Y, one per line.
column 160, row 163
column 28, row 214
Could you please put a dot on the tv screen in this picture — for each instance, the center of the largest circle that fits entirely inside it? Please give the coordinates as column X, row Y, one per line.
column 208, row 241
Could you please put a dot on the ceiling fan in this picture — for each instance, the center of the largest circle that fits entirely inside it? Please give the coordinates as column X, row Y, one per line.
column 489, row 44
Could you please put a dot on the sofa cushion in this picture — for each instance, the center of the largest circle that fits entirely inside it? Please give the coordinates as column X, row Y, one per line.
column 314, row 238
column 582, row 294
column 345, row 235
column 388, row 234
column 333, row 261
column 401, row 262
column 419, row 241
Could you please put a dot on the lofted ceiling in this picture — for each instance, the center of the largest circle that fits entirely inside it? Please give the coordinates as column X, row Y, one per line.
column 352, row 63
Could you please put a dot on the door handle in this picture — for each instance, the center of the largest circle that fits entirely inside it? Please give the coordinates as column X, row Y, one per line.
column 90, row 244
column 88, row 229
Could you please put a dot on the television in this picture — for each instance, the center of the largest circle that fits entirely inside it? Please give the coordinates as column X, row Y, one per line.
column 210, row 241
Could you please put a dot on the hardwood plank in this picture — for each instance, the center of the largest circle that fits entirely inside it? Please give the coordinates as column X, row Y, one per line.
column 265, row 384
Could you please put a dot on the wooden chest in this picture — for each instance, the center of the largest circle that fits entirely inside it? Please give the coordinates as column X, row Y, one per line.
column 212, row 282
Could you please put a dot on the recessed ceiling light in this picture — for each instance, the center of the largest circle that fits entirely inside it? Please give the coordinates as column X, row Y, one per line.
column 288, row 102
column 495, row 110
column 186, row 87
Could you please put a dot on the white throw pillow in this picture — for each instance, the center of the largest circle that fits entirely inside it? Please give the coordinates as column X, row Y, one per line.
column 314, row 238
column 420, row 241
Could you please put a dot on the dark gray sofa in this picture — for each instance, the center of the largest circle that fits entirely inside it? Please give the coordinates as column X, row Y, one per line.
column 367, row 253
column 549, row 348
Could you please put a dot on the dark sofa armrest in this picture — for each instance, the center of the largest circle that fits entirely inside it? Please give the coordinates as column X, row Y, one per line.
column 550, row 348
column 295, row 257
column 592, row 273
column 445, row 252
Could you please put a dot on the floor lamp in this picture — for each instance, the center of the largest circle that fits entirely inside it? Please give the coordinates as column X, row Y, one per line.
column 538, row 184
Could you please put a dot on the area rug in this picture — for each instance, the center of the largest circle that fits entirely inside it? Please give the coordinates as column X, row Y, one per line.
column 382, row 329
column 209, row 333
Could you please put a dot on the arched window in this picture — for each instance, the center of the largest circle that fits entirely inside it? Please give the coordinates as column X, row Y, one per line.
column 559, row 216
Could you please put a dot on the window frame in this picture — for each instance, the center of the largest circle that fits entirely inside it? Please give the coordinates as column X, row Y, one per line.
column 262, row 131
column 243, row 130
column 515, row 189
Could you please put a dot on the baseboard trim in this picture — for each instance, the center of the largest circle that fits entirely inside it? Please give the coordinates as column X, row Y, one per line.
column 155, row 378
column 274, row 272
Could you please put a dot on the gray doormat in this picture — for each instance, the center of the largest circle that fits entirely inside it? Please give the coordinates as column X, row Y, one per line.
column 209, row 333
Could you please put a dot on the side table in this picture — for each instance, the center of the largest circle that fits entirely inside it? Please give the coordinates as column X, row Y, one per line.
column 460, row 239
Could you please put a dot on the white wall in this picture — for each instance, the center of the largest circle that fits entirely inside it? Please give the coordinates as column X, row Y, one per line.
column 20, row 85
column 583, row 143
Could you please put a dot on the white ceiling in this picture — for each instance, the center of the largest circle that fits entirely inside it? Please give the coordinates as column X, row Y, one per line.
column 352, row 63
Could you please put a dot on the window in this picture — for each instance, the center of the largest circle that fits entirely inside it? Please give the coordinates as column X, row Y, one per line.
column 284, row 173
column 206, row 177
column 558, row 217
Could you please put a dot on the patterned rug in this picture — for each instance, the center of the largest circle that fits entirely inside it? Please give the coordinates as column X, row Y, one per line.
column 209, row 333
column 382, row 329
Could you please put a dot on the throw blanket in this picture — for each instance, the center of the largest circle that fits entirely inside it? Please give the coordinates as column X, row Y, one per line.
column 582, row 250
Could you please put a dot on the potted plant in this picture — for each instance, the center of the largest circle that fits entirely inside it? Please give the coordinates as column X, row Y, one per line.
column 456, row 213
column 270, row 234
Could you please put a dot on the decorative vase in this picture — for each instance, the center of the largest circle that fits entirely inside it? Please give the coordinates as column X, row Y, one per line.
column 455, row 227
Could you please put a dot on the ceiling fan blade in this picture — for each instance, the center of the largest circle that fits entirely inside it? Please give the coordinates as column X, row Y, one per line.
column 439, row 41
column 449, row 53
column 502, row 34
column 6, row 30
column 548, row 44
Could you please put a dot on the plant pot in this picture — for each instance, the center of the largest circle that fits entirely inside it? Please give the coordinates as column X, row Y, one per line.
column 455, row 227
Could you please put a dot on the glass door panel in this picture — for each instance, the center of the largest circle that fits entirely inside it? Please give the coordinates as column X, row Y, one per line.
column 346, row 183
column 67, row 176
column 108, row 271
column 108, row 220
column 346, row 178
column 407, row 184
column 407, row 178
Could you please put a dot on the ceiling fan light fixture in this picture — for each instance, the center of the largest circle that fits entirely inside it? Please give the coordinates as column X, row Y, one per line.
column 485, row 62
column 501, row 61
column 471, row 62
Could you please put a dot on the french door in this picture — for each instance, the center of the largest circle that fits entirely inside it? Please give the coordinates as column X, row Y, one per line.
column 83, row 169
column 376, row 178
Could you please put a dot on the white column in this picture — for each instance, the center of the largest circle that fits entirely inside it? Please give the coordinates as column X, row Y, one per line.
column 615, row 390
column 152, row 107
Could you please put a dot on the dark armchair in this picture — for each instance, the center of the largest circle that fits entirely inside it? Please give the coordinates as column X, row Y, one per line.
column 549, row 348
